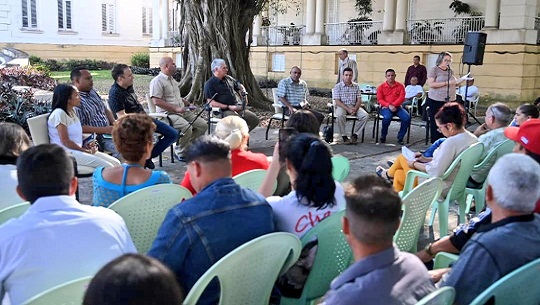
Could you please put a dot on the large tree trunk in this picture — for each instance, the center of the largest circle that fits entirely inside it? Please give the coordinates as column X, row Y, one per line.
column 217, row 29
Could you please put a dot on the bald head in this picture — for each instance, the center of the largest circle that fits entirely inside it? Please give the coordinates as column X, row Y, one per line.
column 167, row 66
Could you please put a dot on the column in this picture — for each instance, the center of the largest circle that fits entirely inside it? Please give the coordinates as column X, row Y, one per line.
column 401, row 15
column 492, row 13
column 156, row 25
column 165, row 20
column 320, row 16
column 257, row 37
column 389, row 19
column 310, row 17
column 516, row 24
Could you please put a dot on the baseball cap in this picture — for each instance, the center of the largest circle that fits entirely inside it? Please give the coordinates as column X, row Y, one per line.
column 528, row 134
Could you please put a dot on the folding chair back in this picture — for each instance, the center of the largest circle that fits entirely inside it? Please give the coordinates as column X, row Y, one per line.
column 13, row 211
column 70, row 293
column 340, row 168
column 441, row 296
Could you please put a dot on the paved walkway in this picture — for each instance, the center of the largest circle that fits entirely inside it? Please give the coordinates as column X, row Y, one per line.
column 364, row 158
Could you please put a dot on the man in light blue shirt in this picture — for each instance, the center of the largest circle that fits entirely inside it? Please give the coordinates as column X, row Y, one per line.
column 381, row 274
column 57, row 239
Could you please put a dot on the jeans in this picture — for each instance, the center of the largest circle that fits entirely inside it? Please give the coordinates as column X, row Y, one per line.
column 169, row 136
column 387, row 118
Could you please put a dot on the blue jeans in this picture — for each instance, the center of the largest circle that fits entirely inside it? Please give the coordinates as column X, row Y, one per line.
column 387, row 118
column 169, row 136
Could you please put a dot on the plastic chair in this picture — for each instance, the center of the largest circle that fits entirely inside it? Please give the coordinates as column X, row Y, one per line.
column 473, row 104
column 444, row 260
column 479, row 195
column 279, row 112
column 441, row 296
column 69, row 293
column 415, row 206
column 247, row 274
column 13, row 211
column 520, row 286
column 159, row 116
column 416, row 104
column 464, row 163
column 340, row 168
column 333, row 256
column 252, row 179
column 214, row 116
column 144, row 211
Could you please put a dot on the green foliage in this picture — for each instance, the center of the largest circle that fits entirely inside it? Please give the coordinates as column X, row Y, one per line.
column 363, row 7
column 34, row 60
column 17, row 106
column 27, row 76
column 70, row 64
column 141, row 60
column 461, row 8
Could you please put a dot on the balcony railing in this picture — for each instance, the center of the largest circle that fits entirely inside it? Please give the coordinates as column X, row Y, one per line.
column 448, row 30
column 175, row 39
column 353, row 33
column 283, row 35
column 537, row 27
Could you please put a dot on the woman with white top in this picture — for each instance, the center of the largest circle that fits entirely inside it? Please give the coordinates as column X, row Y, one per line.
column 315, row 195
column 65, row 129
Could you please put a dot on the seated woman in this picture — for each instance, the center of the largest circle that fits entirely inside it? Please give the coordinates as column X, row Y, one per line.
column 525, row 112
column 65, row 129
column 315, row 195
column 14, row 142
column 132, row 135
column 450, row 120
column 234, row 130
column 134, row 279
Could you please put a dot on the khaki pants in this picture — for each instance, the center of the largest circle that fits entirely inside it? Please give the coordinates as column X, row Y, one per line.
column 251, row 119
column 187, row 135
column 341, row 117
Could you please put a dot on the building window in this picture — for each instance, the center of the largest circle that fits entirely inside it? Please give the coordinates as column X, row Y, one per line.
column 108, row 18
column 278, row 62
column 147, row 20
column 64, row 15
column 29, row 14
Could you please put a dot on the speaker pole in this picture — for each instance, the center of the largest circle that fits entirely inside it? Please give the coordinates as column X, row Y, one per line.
column 466, row 100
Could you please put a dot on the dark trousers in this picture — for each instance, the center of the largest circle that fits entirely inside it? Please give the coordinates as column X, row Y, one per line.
column 318, row 115
column 169, row 136
column 434, row 107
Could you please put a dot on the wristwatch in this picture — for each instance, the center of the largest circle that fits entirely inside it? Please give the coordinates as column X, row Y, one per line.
column 427, row 248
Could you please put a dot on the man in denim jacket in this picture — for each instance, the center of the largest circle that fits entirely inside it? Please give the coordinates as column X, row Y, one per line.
column 198, row 232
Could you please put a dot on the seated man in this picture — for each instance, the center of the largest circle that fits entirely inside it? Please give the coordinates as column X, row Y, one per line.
column 58, row 239
column 511, row 240
column 222, row 90
column 198, row 232
column 165, row 94
column 411, row 91
column 293, row 92
column 94, row 116
column 122, row 100
column 472, row 91
column 390, row 96
column 381, row 274
column 349, row 102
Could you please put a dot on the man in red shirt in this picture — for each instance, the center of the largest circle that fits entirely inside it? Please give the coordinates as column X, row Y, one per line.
column 390, row 96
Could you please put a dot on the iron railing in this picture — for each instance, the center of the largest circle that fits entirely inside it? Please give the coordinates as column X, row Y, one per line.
column 443, row 31
column 537, row 27
column 353, row 33
column 174, row 39
column 283, row 35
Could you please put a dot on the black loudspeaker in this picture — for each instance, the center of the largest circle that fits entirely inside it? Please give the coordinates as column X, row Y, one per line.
column 473, row 50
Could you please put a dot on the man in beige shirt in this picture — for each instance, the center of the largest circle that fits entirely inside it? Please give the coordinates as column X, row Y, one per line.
column 165, row 94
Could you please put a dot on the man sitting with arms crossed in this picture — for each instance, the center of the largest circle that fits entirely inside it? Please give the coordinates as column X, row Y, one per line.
column 224, row 86
column 57, row 239
column 165, row 94
column 199, row 231
column 349, row 102
column 411, row 91
column 511, row 240
column 381, row 274
column 122, row 100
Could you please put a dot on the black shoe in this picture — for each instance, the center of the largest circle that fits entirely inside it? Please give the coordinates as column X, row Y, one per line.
column 354, row 139
column 382, row 140
column 390, row 163
column 400, row 141
column 149, row 164
column 179, row 157
column 346, row 140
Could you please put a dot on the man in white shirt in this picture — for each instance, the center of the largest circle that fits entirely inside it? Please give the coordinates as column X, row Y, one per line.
column 472, row 91
column 413, row 90
column 58, row 239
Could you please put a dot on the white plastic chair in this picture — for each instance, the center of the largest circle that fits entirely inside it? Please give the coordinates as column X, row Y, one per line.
column 13, row 211
column 279, row 113
column 69, row 293
column 441, row 296
column 252, row 179
column 473, row 104
column 144, row 211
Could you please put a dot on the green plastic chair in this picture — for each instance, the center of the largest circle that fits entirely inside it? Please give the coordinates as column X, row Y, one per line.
column 144, row 210
column 247, row 274
column 464, row 163
column 415, row 206
column 444, row 259
column 441, row 296
column 252, row 179
column 13, row 211
column 333, row 256
column 521, row 284
column 69, row 293
column 479, row 195
column 340, row 168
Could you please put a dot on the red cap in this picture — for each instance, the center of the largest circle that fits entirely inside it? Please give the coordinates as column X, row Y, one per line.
column 528, row 134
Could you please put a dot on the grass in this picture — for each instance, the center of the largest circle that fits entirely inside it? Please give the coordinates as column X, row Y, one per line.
column 63, row 76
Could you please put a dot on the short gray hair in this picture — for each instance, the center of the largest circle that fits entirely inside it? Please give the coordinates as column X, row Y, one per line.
column 514, row 179
column 216, row 63
column 501, row 112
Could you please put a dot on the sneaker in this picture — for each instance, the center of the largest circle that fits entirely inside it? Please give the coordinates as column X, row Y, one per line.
column 400, row 141
column 382, row 140
column 149, row 164
column 354, row 139
column 179, row 157
column 346, row 140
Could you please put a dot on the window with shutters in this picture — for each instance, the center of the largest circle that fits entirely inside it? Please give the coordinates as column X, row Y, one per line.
column 147, row 20
column 29, row 14
column 278, row 62
column 64, row 15
column 108, row 18
column 333, row 11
